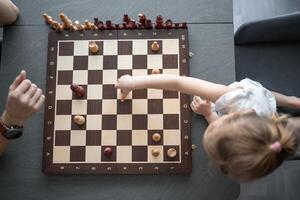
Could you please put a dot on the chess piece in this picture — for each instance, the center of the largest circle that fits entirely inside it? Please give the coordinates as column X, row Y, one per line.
column 155, row 152
column 155, row 46
column 109, row 25
column 183, row 25
column 132, row 24
column 169, row 24
column 142, row 18
column 73, row 27
column 171, row 153
column 108, row 152
column 126, row 19
column 79, row 120
column 88, row 25
column 93, row 47
column 156, row 137
column 93, row 27
column 54, row 25
column 78, row 90
column 155, row 71
column 60, row 28
column 159, row 22
column 48, row 19
column 100, row 25
column 67, row 23
column 148, row 24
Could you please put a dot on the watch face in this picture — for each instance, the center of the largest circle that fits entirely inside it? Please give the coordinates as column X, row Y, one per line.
column 13, row 133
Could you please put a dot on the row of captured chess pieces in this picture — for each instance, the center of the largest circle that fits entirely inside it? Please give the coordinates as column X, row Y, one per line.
column 128, row 23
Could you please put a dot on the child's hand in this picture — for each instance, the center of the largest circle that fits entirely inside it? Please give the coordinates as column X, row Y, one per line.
column 125, row 84
column 202, row 107
column 295, row 102
column 24, row 99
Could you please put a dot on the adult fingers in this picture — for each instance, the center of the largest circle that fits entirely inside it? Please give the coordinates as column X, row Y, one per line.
column 36, row 95
column 31, row 91
column 39, row 103
column 24, row 86
column 18, row 80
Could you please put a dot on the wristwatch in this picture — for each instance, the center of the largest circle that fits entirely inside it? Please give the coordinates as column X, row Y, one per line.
column 10, row 132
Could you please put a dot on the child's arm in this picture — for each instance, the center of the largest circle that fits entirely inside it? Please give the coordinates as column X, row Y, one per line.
column 8, row 12
column 287, row 101
column 188, row 85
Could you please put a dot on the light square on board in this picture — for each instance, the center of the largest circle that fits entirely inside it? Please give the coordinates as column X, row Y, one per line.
column 139, row 137
column 170, row 46
column 95, row 62
column 155, row 121
column 155, row 94
column 139, row 72
column 63, row 92
column 109, row 76
column 124, row 62
column 139, row 47
column 139, row 106
column 124, row 122
column 94, row 91
column 80, row 77
column 93, row 122
column 64, row 62
column 124, row 154
column 78, row 138
column 93, row 154
column 172, row 137
column 79, row 107
column 61, row 154
column 171, row 106
column 109, row 106
column 62, row 122
column 81, row 48
column 109, row 137
column 171, row 71
column 110, row 47
column 154, row 61
column 153, row 159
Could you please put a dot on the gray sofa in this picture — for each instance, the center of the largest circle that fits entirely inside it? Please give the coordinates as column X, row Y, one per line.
column 268, row 51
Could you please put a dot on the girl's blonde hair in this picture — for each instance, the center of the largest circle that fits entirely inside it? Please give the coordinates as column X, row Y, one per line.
column 246, row 146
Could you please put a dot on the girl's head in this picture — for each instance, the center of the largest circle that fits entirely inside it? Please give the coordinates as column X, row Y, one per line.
column 246, row 146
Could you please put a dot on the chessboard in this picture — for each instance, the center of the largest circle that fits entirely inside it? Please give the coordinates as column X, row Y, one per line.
column 127, row 128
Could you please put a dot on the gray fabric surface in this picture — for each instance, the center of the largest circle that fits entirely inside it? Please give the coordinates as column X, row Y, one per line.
column 278, row 29
column 20, row 169
column 275, row 64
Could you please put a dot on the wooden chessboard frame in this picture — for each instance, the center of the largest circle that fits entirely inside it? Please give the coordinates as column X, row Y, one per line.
column 116, row 168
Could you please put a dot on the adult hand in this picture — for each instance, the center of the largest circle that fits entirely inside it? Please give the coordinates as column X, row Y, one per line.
column 24, row 99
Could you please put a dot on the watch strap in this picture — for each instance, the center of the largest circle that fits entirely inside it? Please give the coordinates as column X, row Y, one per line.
column 2, row 126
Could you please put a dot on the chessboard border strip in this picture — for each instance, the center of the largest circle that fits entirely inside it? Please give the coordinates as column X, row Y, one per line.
column 116, row 168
